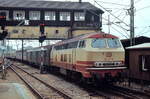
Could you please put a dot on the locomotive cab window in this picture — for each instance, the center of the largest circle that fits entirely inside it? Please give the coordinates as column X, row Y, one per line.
column 73, row 44
column 113, row 43
column 144, row 62
column 98, row 43
column 82, row 44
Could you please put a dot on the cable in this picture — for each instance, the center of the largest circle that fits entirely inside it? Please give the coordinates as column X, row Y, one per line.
column 137, row 1
column 124, row 18
column 111, row 13
column 143, row 8
column 111, row 22
column 119, row 32
column 120, row 27
column 117, row 25
column 145, row 31
column 118, row 15
column 112, row 3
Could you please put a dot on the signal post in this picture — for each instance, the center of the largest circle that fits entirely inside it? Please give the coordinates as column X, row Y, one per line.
column 3, row 34
column 41, row 40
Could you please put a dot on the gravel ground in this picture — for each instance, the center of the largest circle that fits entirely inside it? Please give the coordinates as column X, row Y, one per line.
column 11, row 77
column 136, row 86
column 46, row 92
column 75, row 91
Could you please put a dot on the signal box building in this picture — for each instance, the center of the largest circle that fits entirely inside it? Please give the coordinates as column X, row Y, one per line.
column 61, row 19
column 138, row 59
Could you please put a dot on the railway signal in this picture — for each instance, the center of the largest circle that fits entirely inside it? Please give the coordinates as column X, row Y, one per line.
column 41, row 40
column 2, row 16
column 42, row 28
column 2, row 20
column 4, row 32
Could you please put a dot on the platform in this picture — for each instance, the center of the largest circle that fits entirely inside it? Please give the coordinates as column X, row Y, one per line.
column 14, row 91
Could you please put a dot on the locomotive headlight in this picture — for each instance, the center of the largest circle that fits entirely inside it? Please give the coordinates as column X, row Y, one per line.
column 118, row 63
column 98, row 64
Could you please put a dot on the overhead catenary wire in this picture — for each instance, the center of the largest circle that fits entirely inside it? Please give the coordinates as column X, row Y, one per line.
column 112, row 3
column 111, row 22
column 119, row 26
column 119, row 32
column 111, row 13
column 143, row 8
column 125, row 30
column 118, row 15
column 123, row 18
column 141, row 32
column 137, row 1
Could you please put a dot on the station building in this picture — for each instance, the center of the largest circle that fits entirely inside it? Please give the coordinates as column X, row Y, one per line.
column 138, row 60
column 62, row 20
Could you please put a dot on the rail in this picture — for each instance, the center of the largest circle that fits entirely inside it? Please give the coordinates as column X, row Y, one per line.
column 129, row 93
column 63, row 94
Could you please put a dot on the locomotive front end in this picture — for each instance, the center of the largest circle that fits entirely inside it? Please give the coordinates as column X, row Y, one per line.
column 105, row 56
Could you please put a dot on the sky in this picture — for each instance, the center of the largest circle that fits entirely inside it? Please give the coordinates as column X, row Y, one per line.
column 118, row 13
column 120, row 26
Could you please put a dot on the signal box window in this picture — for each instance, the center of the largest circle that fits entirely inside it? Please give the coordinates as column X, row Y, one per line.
column 64, row 16
column 144, row 62
column 50, row 16
column 79, row 16
column 34, row 15
column 19, row 15
column 7, row 13
column 100, row 17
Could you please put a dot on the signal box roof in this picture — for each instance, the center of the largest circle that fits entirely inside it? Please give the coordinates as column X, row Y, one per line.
column 48, row 5
column 140, row 46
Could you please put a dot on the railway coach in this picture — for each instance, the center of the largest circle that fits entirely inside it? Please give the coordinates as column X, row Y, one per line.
column 93, row 56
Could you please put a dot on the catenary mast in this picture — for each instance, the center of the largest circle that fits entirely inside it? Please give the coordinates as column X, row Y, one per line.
column 132, row 40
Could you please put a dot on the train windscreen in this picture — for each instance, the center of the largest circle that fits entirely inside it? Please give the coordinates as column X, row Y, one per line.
column 105, row 43
column 98, row 43
column 113, row 43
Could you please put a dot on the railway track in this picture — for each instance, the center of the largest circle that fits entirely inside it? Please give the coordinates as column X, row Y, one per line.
column 41, row 89
column 129, row 93
column 107, row 92
column 117, row 92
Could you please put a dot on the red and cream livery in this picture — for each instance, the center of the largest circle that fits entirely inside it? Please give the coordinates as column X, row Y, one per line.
column 91, row 55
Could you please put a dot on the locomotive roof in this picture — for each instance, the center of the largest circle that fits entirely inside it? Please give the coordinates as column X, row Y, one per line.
column 37, row 49
column 48, row 4
column 140, row 46
column 89, row 35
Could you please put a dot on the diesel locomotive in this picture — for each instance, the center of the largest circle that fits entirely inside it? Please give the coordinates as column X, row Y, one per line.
column 92, row 57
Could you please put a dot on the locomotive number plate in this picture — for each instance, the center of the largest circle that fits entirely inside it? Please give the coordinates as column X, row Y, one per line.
column 108, row 54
